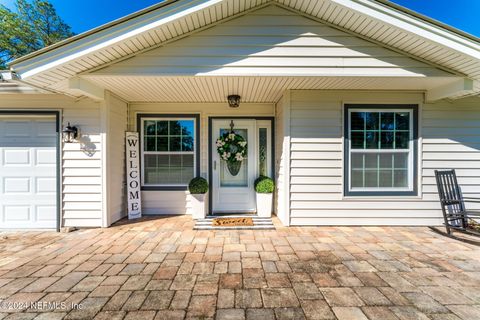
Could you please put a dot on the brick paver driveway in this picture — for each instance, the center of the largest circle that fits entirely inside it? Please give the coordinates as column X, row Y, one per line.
column 162, row 269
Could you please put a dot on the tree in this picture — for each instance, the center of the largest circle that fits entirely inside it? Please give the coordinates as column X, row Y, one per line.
column 32, row 26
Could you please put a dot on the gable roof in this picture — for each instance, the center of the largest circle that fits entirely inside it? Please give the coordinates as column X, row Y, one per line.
column 378, row 21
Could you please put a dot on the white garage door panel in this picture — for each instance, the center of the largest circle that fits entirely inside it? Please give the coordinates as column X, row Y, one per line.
column 46, row 157
column 28, row 165
column 15, row 157
column 16, row 185
column 46, row 185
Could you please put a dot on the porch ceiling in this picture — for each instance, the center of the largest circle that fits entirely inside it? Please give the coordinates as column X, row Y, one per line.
column 251, row 89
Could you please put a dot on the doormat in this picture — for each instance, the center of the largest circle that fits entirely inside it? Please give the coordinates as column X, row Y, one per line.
column 232, row 222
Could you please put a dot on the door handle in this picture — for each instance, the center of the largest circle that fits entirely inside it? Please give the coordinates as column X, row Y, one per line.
column 214, row 164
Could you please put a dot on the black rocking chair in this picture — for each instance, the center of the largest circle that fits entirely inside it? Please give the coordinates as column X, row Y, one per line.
column 453, row 204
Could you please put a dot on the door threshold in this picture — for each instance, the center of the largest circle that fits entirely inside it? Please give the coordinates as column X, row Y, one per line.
column 231, row 215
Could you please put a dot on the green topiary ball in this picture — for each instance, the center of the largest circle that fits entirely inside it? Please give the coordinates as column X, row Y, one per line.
column 198, row 185
column 264, row 184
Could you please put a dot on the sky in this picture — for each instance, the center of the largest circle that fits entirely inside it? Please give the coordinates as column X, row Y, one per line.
column 83, row 15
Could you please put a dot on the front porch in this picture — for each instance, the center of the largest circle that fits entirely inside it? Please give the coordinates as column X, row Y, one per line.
column 297, row 77
column 159, row 268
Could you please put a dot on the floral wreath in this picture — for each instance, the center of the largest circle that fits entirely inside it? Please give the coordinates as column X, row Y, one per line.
column 232, row 147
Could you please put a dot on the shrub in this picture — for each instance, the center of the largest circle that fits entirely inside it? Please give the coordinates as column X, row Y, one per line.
column 198, row 185
column 264, row 184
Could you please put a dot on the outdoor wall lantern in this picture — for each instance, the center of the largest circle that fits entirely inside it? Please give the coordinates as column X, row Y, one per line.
column 70, row 133
column 233, row 101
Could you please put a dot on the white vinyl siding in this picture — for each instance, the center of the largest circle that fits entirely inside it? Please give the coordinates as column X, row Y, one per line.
column 271, row 41
column 451, row 140
column 81, row 160
column 176, row 202
column 448, row 138
column 261, row 54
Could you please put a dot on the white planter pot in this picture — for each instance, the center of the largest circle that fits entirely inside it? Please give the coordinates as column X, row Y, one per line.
column 198, row 205
column 264, row 204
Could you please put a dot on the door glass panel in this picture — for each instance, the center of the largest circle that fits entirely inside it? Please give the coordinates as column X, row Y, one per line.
column 241, row 179
column 262, row 151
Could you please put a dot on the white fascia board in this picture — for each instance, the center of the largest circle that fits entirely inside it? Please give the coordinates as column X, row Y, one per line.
column 457, row 88
column 86, row 88
column 109, row 37
column 413, row 25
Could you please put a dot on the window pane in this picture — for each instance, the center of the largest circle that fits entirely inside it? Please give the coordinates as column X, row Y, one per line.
column 357, row 140
column 357, row 160
column 357, row 179
column 156, row 169
column 372, row 120
column 386, row 178
column 188, row 170
column 149, row 144
column 371, row 179
column 387, row 121
column 262, row 151
column 175, row 174
column 150, row 161
column 358, row 120
column 162, row 128
column 402, row 140
column 162, row 144
column 175, row 144
column 387, row 140
column 400, row 179
column 402, row 121
column 371, row 161
column 187, row 127
column 168, row 169
column 371, row 140
column 386, row 161
column 149, row 128
column 187, row 143
column 400, row 161
column 175, row 128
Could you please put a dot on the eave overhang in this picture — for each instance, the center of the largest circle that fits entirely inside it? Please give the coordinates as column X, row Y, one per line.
column 378, row 21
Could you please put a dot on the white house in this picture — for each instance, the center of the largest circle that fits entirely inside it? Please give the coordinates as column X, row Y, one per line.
column 348, row 104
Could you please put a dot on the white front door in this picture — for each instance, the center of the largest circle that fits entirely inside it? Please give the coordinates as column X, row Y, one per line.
column 234, row 194
column 28, row 172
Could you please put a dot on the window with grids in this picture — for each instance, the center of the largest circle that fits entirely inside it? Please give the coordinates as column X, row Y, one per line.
column 169, row 151
column 380, row 150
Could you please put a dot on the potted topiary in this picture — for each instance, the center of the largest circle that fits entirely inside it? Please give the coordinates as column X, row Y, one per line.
column 198, row 188
column 264, row 187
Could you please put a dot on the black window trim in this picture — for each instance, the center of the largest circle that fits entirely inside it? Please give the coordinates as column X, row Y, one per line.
column 346, row 171
column 195, row 116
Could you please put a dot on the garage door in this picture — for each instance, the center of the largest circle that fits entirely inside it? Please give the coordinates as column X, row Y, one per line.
column 28, row 169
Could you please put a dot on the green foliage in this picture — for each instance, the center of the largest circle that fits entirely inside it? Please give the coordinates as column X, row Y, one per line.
column 32, row 26
column 198, row 185
column 232, row 147
column 264, row 184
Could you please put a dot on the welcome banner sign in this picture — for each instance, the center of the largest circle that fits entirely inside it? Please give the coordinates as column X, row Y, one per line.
column 133, row 175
